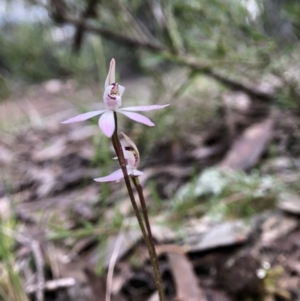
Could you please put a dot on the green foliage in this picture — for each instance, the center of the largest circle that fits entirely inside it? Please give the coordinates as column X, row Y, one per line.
column 10, row 283
column 157, row 202
column 26, row 50
column 228, row 193
column 4, row 88
column 30, row 53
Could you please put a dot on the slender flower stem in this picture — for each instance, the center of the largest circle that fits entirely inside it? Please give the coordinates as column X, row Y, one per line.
column 139, row 189
column 151, row 250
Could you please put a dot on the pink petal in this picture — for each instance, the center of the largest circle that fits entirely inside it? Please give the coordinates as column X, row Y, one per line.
column 115, row 176
column 121, row 90
column 137, row 173
column 145, row 108
column 137, row 117
column 83, row 117
column 107, row 123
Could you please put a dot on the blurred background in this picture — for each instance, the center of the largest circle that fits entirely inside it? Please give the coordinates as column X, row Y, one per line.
column 221, row 166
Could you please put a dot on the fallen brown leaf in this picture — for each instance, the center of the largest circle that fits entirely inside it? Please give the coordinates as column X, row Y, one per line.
column 248, row 148
column 186, row 281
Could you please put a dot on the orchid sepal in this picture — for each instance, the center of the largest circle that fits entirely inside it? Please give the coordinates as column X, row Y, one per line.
column 144, row 108
column 83, row 117
column 115, row 176
column 118, row 175
column 111, row 75
column 137, row 117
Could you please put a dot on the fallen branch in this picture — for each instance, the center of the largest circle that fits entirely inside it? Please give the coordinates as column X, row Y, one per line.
column 39, row 263
column 51, row 285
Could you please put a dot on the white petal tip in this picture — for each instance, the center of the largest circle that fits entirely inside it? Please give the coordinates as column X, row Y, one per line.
column 103, row 180
column 67, row 121
column 108, row 135
column 137, row 173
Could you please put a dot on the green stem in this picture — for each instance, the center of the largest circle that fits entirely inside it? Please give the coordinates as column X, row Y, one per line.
column 152, row 255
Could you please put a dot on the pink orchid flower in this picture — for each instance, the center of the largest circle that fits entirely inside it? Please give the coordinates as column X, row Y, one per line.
column 112, row 98
column 132, row 158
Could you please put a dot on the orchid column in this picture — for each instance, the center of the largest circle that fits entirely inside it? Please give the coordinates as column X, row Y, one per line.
column 128, row 156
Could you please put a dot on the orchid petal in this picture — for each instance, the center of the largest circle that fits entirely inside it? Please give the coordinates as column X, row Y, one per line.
column 121, row 90
column 83, row 117
column 107, row 123
column 110, row 79
column 137, row 117
column 145, row 108
column 115, row 176
column 137, row 173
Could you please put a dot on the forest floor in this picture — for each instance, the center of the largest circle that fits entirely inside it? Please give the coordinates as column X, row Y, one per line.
column 224, row 231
